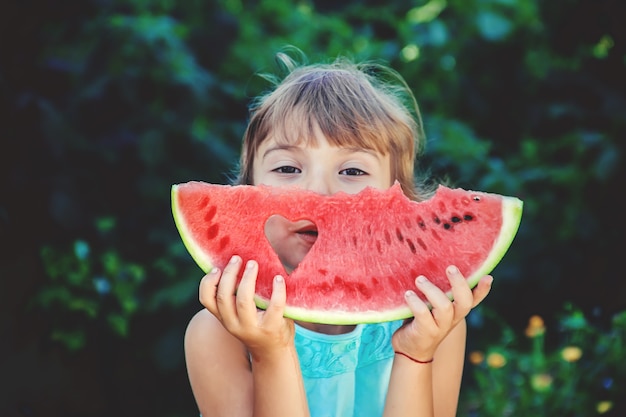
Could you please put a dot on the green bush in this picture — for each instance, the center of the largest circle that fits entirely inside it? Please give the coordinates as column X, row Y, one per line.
column 578, row 372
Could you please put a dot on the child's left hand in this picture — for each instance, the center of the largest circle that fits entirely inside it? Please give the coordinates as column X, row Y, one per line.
column 420, row 337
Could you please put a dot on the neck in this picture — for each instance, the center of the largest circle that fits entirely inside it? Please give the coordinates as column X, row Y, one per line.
column 326, row 328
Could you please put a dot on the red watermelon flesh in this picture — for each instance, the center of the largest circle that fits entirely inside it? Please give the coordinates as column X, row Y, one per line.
column 369, row 248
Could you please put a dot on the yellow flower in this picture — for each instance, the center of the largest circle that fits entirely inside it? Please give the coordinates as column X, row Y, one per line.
column 604, row 406
column 571, row 353
column 536, row 326
column 476, row 357
column 496, row 360
column 541, row 382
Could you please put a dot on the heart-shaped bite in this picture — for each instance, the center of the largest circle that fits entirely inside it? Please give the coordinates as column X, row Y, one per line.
column 291, row 240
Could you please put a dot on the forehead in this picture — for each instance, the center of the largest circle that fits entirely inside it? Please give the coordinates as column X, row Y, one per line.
column 300, row 128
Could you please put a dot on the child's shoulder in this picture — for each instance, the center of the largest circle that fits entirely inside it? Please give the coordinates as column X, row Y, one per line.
column 205, row 333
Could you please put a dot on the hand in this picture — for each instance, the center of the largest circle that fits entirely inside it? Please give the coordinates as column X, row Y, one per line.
column 234, row 307
column 420, row 337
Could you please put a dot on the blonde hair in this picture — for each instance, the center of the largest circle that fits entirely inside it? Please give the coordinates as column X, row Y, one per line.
column 365, row 105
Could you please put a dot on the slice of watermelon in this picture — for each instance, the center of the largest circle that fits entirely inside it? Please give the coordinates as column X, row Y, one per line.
column 369, row 249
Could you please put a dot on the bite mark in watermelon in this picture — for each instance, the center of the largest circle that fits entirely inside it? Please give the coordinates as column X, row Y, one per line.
column 369, row 249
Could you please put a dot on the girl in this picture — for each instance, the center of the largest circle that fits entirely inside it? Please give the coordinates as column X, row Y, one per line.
column 331, row 127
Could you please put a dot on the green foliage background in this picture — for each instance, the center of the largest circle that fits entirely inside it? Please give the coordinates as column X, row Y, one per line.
column 104, row 104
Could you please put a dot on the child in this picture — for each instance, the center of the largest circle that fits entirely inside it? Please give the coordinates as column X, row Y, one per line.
column 329, row 127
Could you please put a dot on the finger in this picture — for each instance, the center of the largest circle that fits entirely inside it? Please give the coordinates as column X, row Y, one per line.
column 225, row 297
column 246, row 308
column 482, row 289
column 461, row 292
column 442, row 307
column 276, row 306
column 421, row 311
column 208, row 290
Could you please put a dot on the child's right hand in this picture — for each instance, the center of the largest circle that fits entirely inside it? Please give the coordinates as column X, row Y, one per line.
column 260, row 330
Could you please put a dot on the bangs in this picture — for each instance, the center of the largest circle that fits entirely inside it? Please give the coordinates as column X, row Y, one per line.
column 342, row 105
column 301, row 126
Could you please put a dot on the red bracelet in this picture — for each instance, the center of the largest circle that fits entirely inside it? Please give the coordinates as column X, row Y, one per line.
column 413, row 359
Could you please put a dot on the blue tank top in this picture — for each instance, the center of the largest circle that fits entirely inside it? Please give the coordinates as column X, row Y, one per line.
column 348, row 374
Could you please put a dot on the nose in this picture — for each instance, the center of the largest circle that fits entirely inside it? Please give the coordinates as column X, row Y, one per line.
column 320, row 184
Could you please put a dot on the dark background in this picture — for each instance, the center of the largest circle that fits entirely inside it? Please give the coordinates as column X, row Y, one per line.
column 105, row 104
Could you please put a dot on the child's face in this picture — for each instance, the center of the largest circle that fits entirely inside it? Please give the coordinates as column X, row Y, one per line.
column 323, row 168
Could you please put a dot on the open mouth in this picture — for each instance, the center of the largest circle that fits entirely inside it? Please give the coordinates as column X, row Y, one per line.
column 309, row 233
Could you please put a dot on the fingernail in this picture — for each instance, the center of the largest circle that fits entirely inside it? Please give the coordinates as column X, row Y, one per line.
column 421, row 279
column 250, row 264
column 409, row 294
column 278, row 279
column 453, row 270
column 214, row 271
column 234, row 259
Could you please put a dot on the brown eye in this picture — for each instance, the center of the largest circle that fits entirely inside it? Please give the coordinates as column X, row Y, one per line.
column 352, row 171
column 287, row 170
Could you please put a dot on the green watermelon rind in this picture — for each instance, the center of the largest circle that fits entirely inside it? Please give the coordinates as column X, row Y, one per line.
column 511, row 217
column 200, row 257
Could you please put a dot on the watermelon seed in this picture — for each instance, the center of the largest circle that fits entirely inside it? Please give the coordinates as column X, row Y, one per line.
column 436, row 219
column 411, row 246
column 399, row 234
column 422, row 244
column 203, row 203
column 210, row 214
column 387, row 238
column 224, row 242
column 468, row 217
column 447, row 226
column 455, row 219
column 476, row 198
column 212, row 231
column 421, row 223
column 354, row 241
column 378, row 247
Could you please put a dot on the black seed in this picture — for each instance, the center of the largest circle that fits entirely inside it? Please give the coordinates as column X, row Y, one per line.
column 411, row 246
column 455, row 219
column 468, row 217
column 476, row 198
column 447, row 226
column 399, row 235
column 436, row 219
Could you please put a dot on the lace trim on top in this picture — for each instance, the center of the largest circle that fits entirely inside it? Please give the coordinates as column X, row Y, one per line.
column 323, row 356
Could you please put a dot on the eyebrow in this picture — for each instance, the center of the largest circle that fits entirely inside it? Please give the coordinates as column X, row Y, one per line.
column 296, row 148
